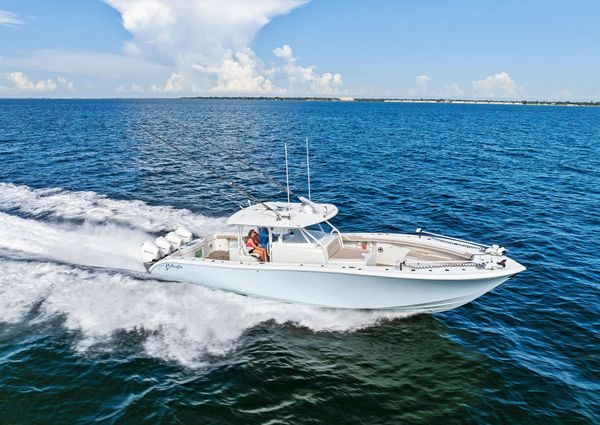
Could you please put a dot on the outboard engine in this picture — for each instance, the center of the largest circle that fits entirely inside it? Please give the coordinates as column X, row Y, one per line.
column 184, row 234
column 174, row 239
column 163, row 245
column 149, row 252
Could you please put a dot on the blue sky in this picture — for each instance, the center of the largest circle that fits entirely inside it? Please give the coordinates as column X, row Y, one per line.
column 170, row 48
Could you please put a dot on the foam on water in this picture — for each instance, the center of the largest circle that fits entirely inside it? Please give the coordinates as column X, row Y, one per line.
column 106, row 245
column 58, row 203
column 181, row 322
column 87, row 228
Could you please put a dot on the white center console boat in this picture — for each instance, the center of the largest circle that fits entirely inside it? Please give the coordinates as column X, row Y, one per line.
column 313, row 263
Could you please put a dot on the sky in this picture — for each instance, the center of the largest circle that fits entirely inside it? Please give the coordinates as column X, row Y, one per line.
column 470, row 49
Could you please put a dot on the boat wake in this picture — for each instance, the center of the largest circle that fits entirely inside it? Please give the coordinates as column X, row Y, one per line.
column 182, row 322
column 47, row 237
column 89, row 244
column 87, row 228
column 92, row 207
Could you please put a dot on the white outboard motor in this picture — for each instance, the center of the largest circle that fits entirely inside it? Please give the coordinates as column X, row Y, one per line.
column 184, row 234
column 174, row 240
column 163, row 245
column 149, row 252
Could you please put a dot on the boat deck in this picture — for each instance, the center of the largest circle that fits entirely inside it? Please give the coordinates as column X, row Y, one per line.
column 355, row 249
column 346, row 253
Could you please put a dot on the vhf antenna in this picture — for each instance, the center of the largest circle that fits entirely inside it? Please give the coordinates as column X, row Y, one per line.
column 287, row 175
column 308, row 169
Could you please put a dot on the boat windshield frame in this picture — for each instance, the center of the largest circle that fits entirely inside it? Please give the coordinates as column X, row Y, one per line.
column 308, row 234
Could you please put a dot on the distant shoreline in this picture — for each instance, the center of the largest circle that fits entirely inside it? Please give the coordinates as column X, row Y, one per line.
column 396, row 100
column 333, row 99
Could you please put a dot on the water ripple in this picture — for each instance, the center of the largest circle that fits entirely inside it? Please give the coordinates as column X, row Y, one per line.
column 80, row 186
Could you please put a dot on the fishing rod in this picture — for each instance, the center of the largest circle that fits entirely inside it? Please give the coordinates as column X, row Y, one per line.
column 240, row 160
column 213, row 172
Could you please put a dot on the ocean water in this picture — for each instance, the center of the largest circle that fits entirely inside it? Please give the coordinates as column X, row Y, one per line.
column 87, row 337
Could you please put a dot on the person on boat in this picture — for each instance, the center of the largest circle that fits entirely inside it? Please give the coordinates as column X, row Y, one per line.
column 264, row 236
column 254, row 246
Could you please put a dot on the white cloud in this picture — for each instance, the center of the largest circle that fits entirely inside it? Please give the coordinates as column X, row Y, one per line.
column 305, row 79
column 207, row 44
column 132, row 48
column 454, row 90
column 131, row 88
column 191, row 29
column 240, row 72
column 284, row 52
column 423, row 80
column 69, row 85
column 180, row 47
column 98, row 65
column 21, row 82
column 9, row 19
column 326, row 83
column 497, row 85
column 421, row 86
column 173, row 85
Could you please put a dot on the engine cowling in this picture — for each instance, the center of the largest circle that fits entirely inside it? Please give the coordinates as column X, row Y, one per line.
column 174, row 239
column 163, row 245
column 149, row 252
column 184, row 234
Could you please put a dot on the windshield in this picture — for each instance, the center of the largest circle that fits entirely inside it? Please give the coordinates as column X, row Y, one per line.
column 307, row 234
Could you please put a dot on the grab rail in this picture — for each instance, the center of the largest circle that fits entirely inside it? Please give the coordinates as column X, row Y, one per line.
column 454, row 241
column 335, row 229
column 304, row 233
column 442, row 265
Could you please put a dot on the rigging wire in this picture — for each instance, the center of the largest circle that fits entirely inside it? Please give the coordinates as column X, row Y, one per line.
column 240, row 160
column 213, row 172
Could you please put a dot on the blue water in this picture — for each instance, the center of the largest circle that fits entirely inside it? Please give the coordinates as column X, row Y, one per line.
column 86, row 336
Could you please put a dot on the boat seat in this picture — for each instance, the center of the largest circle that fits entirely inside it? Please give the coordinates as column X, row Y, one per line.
column 334, row 247
column 245, row 250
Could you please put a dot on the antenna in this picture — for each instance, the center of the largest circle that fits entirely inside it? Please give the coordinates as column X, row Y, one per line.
column 308, row 169
column 287, row 175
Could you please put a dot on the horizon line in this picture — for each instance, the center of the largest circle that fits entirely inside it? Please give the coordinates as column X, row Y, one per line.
column 345, row 99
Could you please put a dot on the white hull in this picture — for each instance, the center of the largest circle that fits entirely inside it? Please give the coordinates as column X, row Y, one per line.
column 335, row 288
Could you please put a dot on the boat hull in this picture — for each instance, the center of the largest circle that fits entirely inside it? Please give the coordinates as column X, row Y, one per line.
column 332, row 289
